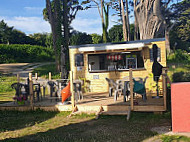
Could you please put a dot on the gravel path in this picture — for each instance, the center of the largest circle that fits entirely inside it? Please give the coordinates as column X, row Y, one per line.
column 22, row 68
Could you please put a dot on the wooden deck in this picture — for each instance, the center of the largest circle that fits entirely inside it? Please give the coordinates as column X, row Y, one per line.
column 92, row 103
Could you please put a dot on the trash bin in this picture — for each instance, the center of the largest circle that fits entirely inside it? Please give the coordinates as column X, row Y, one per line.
column 180, row 102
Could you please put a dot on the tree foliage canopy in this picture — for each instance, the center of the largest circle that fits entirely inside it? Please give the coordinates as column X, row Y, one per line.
column 79, row 38
column 180, row 34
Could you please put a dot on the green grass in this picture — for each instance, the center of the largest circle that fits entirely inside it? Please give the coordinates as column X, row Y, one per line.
column 6, row 97
column 6, row 92
column 5, row 83
column 43, row 71
column 175, row 138
column 55, row 126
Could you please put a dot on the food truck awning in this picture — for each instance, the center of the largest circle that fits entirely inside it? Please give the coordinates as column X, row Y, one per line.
column 129, row 45
column 112, row 47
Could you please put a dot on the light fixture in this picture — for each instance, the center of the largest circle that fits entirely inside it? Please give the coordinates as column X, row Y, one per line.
column 125, row 52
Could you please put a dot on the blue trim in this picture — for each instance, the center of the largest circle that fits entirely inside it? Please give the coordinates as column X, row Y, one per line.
column 146, row 41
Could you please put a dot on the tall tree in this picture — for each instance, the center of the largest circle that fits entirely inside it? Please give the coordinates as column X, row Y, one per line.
column 103, row 10
column 60, row 14
column 53, row 17
column 125, row 20
column 149, row 18
column 5, row 32
column 122, row 10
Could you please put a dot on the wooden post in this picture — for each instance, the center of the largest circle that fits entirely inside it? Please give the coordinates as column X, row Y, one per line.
column 164, row 86
column 49, row 76
column 31, row 90
column 60, row 74
column 36, row 76
column 71, row 89
column 18, row 77
column 131, row 87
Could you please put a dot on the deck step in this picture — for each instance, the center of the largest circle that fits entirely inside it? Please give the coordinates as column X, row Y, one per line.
column 115, row 113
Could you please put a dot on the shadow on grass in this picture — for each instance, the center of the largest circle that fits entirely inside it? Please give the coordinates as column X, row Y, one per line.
column 106, row 128
column 14, row 120
column 4, row 102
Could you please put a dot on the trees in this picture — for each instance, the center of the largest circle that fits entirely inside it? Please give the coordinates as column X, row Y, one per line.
column 79, row 38
column 52, row 14
column 122, row 10
column 60, row 14
column 9, row 35
column 180, row 34
column 96, row 38
column 116, row 33
column 39, row 38
column 149, row 18
column 5, row 32
column 103, row 10
column 125, row 20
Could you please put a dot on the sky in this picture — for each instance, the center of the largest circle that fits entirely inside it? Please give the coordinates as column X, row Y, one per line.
column 27, row 16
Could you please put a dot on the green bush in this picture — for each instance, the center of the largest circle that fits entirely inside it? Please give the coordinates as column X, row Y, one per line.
column 181, row 77
column 25, row 53
column 180, row 56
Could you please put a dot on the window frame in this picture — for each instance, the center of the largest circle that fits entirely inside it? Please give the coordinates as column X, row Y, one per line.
column 118, row 69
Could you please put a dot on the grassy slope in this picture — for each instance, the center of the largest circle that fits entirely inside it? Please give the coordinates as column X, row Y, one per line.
column 43, row 71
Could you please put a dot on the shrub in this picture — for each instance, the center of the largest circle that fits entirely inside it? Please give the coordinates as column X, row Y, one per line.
column 25, row 53
column 181, row 77
column 180, row 56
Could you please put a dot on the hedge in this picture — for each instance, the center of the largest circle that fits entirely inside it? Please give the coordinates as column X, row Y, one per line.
column 17, row 53
column 181, row 77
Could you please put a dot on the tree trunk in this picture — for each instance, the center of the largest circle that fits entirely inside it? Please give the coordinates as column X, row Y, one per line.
column 149, row 18
column 53, row 23
column 124, row 22
column 103, row 22
column 65, row 49
column 136, row 28
column 127, row 22
column 167, row 40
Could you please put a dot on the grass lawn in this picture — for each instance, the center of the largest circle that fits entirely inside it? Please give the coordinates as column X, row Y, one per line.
column 6, row 92
column 43, row 71
column 56, row 127
column 6, row 97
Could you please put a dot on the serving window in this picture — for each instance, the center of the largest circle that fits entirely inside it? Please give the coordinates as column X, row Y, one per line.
column 115, row 61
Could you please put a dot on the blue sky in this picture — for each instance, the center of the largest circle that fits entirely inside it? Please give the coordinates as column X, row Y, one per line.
column 26, row 16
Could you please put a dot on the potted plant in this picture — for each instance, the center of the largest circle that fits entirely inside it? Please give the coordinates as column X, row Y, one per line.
column 20, row 99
